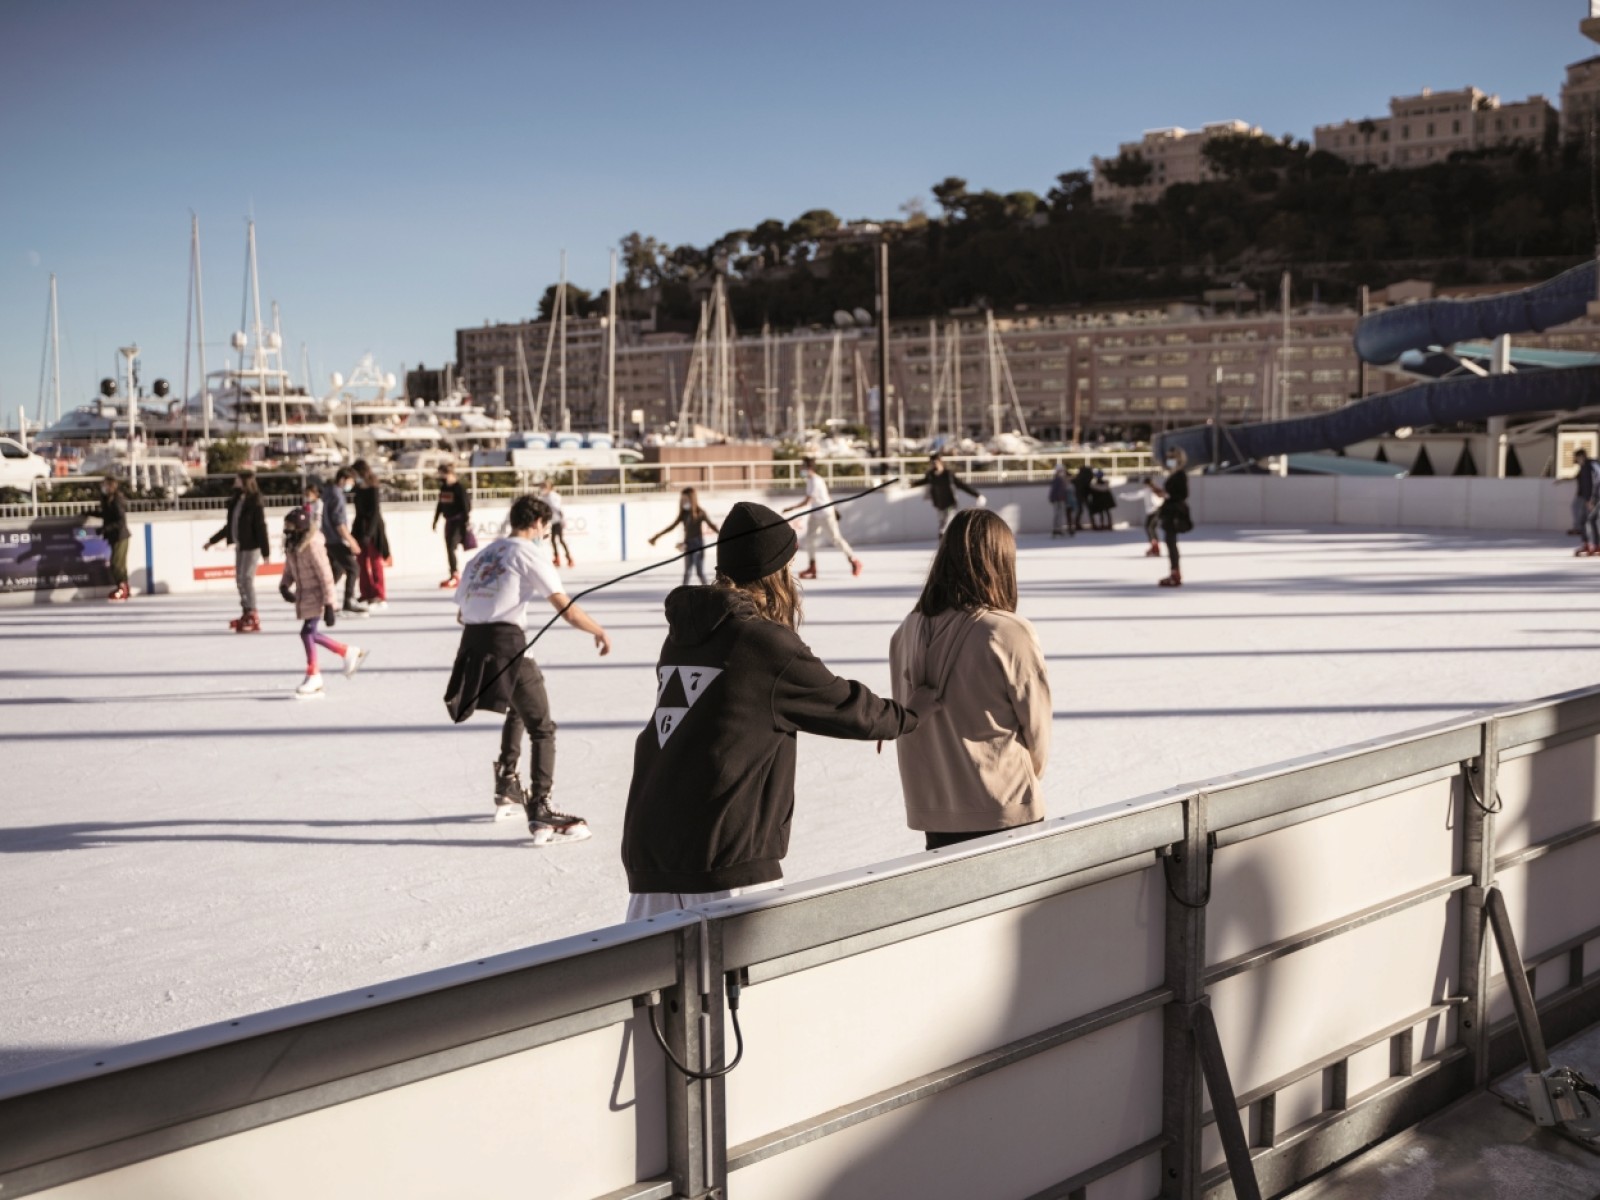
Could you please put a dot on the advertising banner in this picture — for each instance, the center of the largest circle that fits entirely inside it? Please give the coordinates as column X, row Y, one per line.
column 53, row 552
column 216, row 562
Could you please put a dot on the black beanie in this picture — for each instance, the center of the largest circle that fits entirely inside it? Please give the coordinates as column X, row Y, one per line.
column 754, row 542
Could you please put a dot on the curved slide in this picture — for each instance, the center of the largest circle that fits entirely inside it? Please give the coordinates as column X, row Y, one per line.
column 1383, row 337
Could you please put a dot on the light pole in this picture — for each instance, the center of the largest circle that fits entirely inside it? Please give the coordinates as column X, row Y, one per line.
column 883, row 345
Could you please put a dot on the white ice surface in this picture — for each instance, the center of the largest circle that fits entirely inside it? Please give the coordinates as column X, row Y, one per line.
column 182, row 842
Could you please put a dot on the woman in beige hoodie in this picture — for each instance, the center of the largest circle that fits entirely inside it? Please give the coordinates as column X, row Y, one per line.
column 972, row 765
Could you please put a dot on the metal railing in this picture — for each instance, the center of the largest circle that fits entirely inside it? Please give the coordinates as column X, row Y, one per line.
column 629, row 479
column 75, row 1120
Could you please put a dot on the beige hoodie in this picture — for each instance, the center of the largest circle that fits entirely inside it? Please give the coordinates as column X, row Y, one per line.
column 974, row 763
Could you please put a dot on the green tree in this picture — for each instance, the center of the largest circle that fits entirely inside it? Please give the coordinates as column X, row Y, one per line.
column 1128, row 170
column 948, row 194
column 227, row 456
column 578, row 301
column 1518, row 220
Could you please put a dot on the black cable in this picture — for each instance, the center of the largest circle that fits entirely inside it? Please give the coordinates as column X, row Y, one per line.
column 1477, row 797
column 738, row 1035
column 562, row 611
column 1172, row 860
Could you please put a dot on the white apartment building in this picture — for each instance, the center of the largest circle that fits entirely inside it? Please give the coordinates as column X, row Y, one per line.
column 1429, row 127
column 1174, row 156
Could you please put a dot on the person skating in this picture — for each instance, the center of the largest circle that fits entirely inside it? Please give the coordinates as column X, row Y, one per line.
column 1588, row 504
column 1082, row 482
column 1175, row 518
column 341, row 545
column 373, row 537
column 695, row 521
column 1150, row 496
column 455, row 506
column 558, row 521
column 712, row 792
column 246, row 531
column 492, row 602
column 819, row 522
column 114, row 528
column 308, row 584
column 1101, row 503
column 942, row 483
column 974, row 763
column 1063, row 502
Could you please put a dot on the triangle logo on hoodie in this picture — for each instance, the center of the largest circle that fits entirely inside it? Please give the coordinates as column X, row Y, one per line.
column 678, row 689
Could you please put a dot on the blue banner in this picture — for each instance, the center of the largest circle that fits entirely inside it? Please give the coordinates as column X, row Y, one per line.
column 53, row 552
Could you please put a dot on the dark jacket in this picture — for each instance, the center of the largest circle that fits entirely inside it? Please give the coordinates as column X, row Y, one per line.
column 482, row 677
column 942, row 486
column 252, row 520
column 113, row 519
column 455, row 504
column 368, row 525
column 1175, row 508
column 713, row 772
column 1586, row 480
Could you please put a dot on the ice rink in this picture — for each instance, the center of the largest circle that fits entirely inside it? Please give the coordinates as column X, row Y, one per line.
column 183, row 842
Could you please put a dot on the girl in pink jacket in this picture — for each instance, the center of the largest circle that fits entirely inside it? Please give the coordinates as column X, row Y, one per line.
column 308, row 583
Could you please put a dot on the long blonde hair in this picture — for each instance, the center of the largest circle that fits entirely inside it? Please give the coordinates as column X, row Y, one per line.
column 774, row 597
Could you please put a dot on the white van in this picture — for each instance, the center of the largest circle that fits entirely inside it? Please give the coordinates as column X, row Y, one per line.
column 19, row 466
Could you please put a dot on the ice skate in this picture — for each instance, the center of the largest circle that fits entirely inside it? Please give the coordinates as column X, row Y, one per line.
column 855, row 566
column 809, row 573
column 1153, row 552
column 377, row 605
column 509, row 798
column 249, row 623
column 550, row 827
column 1173, row 580
column 310, row 688
column 453, row 581
column 570, row 563
column 354, row 656
column 356, row 608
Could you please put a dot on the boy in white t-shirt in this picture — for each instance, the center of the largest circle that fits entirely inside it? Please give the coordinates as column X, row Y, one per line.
column 496, row 587
column 819, row 522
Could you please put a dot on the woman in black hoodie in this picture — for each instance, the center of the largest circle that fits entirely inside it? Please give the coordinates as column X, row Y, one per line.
column 246, row 531
column 713, row 772
column 114, row 528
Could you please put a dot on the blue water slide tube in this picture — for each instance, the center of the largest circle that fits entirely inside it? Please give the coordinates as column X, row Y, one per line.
column 1385, row 336
column 1465, row 398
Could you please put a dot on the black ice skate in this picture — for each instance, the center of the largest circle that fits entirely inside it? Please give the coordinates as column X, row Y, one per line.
column 549, row 826
column 508, row 793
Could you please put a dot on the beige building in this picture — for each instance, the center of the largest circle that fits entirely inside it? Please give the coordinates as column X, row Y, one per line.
column 1174, row 156
column 1429, row 127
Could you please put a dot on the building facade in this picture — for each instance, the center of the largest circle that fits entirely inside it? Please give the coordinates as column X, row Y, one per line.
column 1431, row 126
column 1175, row 156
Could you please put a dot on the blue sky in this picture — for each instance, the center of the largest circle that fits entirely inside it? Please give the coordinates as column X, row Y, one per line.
column 413, row 168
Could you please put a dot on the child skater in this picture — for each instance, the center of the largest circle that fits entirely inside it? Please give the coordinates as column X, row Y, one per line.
column 713, row 771
column 1151, row 496
column 694, row 520
column 308, row 583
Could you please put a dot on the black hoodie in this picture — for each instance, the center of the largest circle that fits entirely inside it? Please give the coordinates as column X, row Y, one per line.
column 713, row 772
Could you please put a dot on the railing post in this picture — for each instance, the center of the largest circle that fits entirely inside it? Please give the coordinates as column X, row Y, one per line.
column 697, row 1127
column 1188, row 886
column 1479, row 801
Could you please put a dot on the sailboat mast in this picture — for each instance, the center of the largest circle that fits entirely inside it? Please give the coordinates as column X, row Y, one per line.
column 611, row 354
column 200, row 333
column 934, row 377
column 561, row 370
column 992, row 373
column 55, row 344
column 953, row 342
column 256, row 358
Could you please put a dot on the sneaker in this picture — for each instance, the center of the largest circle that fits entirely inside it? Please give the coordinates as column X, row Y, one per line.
column 549, row 826
column 453, row 581
column 377, row 605
column 809, row 573
column 356, row 608
column 310, row 688
column 354, row 656
column 508, row 793
column 855, row 566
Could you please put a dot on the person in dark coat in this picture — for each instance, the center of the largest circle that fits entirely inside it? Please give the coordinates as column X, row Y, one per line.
column 713, row 772
column 1175, row 518
column 371, row 535
column 942, row 483
column 343, row 550
column 1586, row 506
column 1082, row 481
column 246, row 531
column 114, row 528
column 455, row 506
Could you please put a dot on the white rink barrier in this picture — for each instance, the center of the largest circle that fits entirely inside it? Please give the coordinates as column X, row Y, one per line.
column 1020, row 1016
column 1421, row 502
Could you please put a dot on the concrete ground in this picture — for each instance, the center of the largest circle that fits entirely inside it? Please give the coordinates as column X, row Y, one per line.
column 183, row 842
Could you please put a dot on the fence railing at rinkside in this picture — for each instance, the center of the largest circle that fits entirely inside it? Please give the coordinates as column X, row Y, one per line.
column 1302, row 945
column 629, row 479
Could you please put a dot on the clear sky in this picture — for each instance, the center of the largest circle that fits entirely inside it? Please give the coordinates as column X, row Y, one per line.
column 413, row 167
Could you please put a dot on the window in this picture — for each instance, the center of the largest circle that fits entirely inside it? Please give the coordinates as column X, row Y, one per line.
column 1430, row 128
column 1174, row 358
column 1174, row 403
column 1235, row 400
column 1328, row 375
column 1177, row 339
column 1052, row 385
column 1111, row 360
column 1142, row 360
column 1111, row 403
column 1143, row 404
column 1455, row 126
column 1328, row 352
column 1142, row 381
column 1174, row 381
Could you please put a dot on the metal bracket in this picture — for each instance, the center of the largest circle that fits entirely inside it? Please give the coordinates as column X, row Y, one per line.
column 1224, row 1105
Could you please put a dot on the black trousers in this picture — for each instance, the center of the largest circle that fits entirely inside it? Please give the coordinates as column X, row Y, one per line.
column 938, row 841
column 1172, row 547
column 454, row 533
column 530, row 711
column 343, row 561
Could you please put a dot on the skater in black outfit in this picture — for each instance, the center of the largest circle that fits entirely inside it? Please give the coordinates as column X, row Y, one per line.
column 1081, row 483
column 1175, row 517
column 114, row 528
column 1101, row 503
column 941, row 483
column 694, row 520
column 246, row 531
column 340, row 543
column 455, row 506
column 713, row 772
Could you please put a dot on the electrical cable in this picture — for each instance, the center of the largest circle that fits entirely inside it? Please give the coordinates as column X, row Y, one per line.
column 1477, row 797
column 467, row 710
column 738, row 1034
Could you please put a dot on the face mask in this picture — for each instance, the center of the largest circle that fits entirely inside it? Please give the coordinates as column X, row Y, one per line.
column 1172, row 464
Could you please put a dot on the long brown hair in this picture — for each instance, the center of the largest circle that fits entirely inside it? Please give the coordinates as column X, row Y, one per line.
column 694, row 501
column 248, row 484
column 975, row 567
column 364, row 473
column 775, row 597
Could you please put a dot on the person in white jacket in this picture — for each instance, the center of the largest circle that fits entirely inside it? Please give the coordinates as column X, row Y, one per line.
column 1151, row 496
column 973, row 764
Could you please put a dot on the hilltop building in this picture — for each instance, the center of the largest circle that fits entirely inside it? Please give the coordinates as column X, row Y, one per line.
column 1174, row 156
column 1431, row 126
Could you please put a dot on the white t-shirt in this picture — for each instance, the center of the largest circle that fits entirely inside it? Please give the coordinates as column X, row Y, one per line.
column 817, row 491
column 501, row 579
column 553, row 499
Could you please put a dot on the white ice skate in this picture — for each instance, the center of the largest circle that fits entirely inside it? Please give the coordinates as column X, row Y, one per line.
column 354, row 656
column 550, row 828
column 310, row 688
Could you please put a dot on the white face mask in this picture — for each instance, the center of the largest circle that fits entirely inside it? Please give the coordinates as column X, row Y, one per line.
column 1172, row 464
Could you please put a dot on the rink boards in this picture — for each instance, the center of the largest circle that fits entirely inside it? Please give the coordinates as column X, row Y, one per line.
column 1007, row 1018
